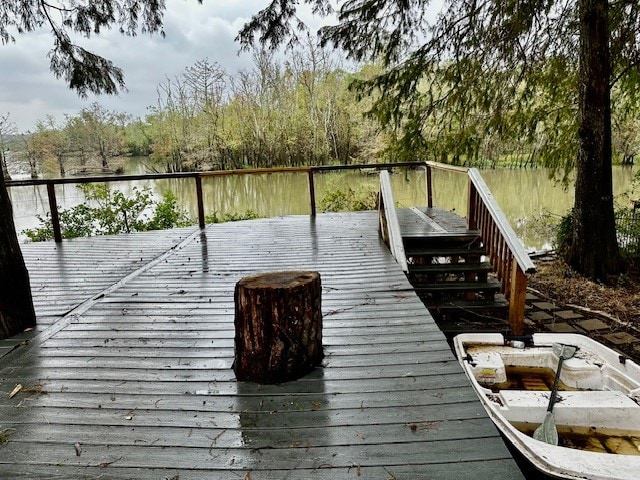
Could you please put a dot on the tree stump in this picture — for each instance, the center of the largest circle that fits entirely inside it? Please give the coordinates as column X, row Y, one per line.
column 278, row 326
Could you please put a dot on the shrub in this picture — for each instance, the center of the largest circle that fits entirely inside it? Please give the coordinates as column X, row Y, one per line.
column 628, row 232
column 231, row 217
column 564, row 235
column 349, row 200
column 168, row 215
column 109, row 212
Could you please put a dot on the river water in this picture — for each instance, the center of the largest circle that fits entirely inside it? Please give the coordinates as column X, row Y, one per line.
column 523, row 194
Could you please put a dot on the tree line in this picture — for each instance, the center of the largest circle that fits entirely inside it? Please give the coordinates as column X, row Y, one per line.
column 289, row 113
column 279, row 113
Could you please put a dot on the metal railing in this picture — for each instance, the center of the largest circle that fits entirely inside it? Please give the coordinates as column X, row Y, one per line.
column 504, row 250
column 197, row 177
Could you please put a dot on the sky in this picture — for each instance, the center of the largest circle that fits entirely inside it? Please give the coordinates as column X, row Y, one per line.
column 29, row 91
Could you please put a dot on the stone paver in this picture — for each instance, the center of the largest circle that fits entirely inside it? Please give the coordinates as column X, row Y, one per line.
column 621, row 338
column 593, row 324
column 561, row 327
column 546, row 315
column 545, row 305
column 539, row 316
column 568, row 314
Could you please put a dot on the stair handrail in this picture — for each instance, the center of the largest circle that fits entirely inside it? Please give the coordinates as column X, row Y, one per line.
column 388, row 225
column 500, row 219
column 506, row 254
column 429, row 166
column 477, row 181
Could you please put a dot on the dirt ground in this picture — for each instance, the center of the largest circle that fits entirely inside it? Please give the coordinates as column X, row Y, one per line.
column 618, row 305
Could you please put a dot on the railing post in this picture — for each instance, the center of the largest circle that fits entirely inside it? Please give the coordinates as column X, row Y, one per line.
column 312, row 193
column 198, row 179
column 429, row 187
column 53, row 208
column 472, row 221
column 517, row 299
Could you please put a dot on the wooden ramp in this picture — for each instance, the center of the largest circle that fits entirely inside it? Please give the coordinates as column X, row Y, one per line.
column 129, row 374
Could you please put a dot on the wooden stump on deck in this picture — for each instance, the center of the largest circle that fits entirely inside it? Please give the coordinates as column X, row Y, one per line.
column 278, row 326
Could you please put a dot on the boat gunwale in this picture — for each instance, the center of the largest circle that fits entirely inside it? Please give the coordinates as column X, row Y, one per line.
column 558, row 461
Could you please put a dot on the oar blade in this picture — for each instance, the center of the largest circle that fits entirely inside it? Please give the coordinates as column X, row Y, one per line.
column 564, row 351
column 547, row 431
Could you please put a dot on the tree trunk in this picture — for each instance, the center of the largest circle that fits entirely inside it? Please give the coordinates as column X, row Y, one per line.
column 5, row 170
column 61, row 165
column 16, row 304
column 278, row 325
column 594, row 248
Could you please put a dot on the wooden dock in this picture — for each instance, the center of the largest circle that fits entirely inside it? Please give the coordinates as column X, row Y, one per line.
column 129, row 372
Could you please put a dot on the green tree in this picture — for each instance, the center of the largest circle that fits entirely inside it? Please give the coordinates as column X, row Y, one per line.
column 205, row 83
column 517, row 68
column 31, row 152
column 79, row 135
column 104, row 132
column 138, row 138
column 174, row 123
column 188, row 118
column 84, row 72
column 52, row 142
column 7, row 130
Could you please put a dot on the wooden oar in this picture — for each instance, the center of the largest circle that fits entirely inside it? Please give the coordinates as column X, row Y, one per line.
column 547, row 432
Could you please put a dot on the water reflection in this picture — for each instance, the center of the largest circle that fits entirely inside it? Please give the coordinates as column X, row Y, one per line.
column 522, row 194
column 291, row 415
column 204, row 251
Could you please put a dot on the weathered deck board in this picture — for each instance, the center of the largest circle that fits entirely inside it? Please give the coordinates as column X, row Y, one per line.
column 139, row 372
column 61, row 278
column 493, row 469
column 441, row 222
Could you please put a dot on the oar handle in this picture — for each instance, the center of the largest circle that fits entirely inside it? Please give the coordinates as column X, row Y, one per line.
column 554, row 389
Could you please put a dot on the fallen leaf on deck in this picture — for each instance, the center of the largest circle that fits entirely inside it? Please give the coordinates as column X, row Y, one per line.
column 4, row 434
column 15, row 391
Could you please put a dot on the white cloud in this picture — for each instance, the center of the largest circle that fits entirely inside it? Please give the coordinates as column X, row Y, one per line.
column 30, row 92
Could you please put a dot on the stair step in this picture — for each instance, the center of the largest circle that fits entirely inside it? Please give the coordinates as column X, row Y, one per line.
column 460, row 316
column 444, row 251
column 450, row 267
column 457, row 287
column 445, row 239
column 496, row 305
column 453, row 328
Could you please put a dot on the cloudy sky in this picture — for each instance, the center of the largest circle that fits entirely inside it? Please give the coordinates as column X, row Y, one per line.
column 29, row 91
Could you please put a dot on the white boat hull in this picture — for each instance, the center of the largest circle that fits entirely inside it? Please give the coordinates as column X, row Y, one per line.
column 607, row 396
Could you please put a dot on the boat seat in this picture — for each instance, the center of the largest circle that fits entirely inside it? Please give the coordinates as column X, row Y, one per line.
column 488, row 368
column 595, row 408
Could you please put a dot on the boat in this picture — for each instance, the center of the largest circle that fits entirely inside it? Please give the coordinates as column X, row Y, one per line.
column 595, row 412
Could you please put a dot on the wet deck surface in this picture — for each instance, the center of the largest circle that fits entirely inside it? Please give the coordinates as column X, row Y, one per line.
column 129, row 373
column 430, row 222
